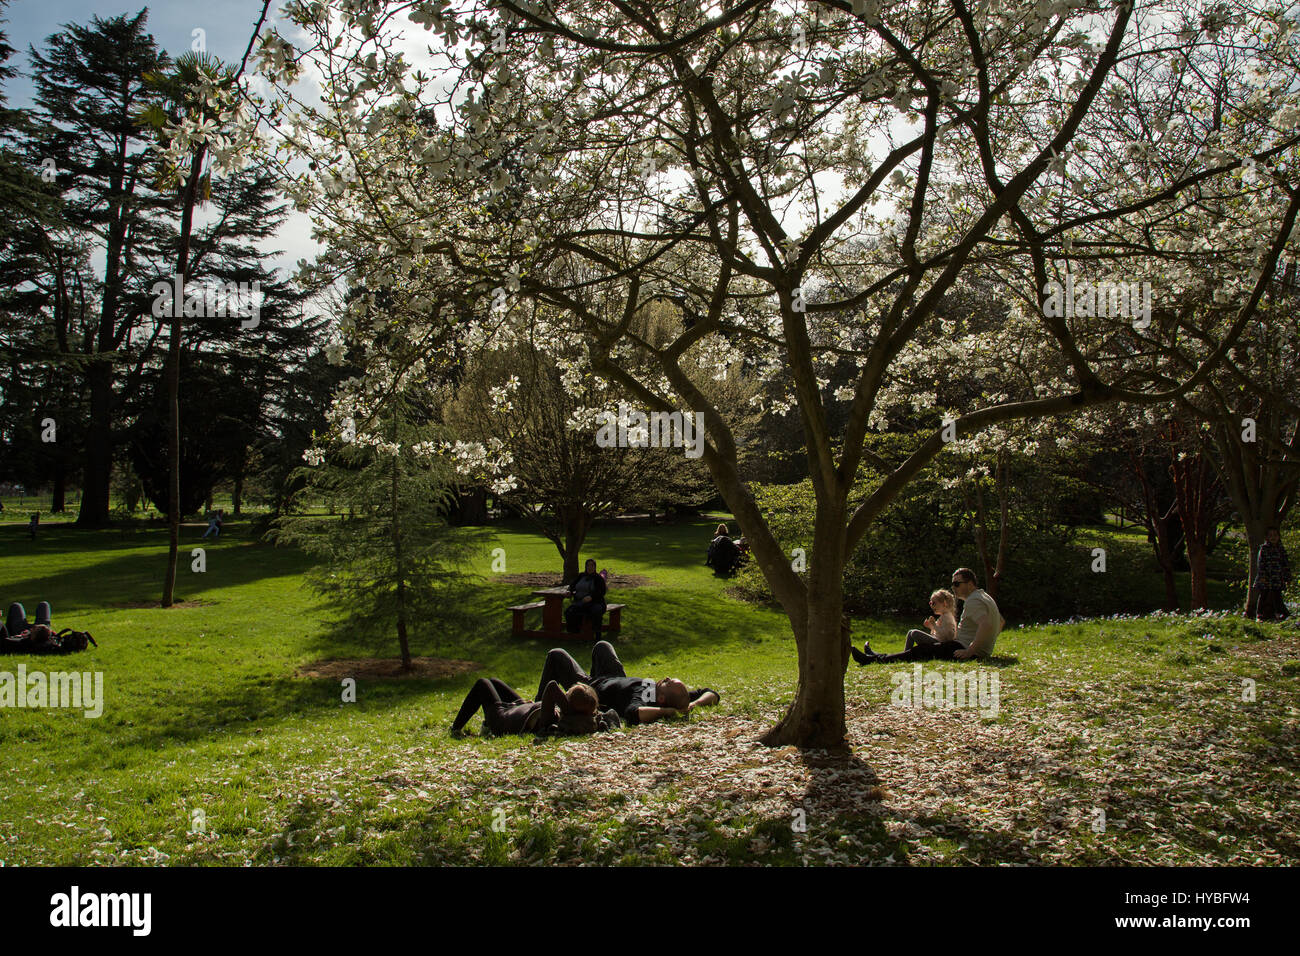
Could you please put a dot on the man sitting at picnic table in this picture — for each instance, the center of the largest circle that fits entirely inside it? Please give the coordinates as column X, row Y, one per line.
column 638, row 700
column 588, row 590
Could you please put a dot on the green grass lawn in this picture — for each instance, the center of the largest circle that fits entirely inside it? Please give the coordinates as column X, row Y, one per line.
column 211, row 750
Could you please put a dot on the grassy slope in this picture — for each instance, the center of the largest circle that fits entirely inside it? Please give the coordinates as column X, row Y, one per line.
column 203, row 713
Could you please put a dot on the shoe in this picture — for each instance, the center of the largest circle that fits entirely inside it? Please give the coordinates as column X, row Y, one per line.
column 863, row 658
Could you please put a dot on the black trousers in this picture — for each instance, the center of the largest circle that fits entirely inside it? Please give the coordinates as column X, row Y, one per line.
column 922, row 646
column 16, row 619
column 1269, row 605
column 575, row 612
column 504, row 711
column 564, row 670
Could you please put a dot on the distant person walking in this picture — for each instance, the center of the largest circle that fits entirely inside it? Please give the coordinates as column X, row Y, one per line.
column 1272, row 577
column 33, row 524
column 214, row 525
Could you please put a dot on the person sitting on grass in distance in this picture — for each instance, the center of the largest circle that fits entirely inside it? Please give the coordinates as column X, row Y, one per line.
column 724, row 555
column 588, row 590
column 942, row 627
column 638, row 700
column 505, row 712
column 977, row 631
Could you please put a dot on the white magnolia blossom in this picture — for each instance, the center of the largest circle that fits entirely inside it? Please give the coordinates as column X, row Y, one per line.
column 464, row 202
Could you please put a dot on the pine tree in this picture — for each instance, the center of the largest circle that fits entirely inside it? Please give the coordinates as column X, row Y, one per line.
column 391, row 564
column 89, row 86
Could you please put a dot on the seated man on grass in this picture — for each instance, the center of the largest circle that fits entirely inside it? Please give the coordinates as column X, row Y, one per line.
column 977, row 631
column 638, row 700
column 505, row 712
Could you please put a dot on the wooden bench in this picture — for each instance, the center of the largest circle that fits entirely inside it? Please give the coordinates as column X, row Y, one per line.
column 519, row 610
column 613, row 624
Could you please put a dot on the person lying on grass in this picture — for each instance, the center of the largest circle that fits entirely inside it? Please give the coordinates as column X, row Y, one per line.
column 16, row 623
column 505, row 712
column 638, row 700
column 977, row 631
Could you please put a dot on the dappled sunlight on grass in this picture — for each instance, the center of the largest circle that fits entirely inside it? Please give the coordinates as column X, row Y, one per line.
column 1142, row 717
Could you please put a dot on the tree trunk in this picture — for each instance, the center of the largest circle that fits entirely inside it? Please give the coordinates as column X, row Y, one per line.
column 237, row 495
column 174, row 381
column 576, row 522
column 1198, row 490
column 816, row 717
column 1200, row 588
column 395, row 504
column 1165, row 558
column 59, row 499
column 98, row 462
column 1255, row 530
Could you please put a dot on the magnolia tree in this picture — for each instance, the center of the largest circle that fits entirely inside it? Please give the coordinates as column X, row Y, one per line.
column 808, row 185
column 1246, row 422
column 1237, row 431
column 563, row 478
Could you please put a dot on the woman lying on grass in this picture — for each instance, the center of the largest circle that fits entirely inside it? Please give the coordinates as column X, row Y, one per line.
column 505, row 712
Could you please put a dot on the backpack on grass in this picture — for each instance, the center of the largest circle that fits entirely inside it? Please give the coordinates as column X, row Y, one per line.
column 73, row 641
column 570, row 725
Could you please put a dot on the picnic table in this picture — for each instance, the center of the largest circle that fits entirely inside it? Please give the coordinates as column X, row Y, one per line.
column 552, row 607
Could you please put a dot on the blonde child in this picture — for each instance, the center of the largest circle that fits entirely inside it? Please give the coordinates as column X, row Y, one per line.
column 942, row 624
column 940, row 642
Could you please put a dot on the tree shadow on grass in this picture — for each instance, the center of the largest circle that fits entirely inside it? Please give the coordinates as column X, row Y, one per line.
column 655, row 621
column 138, row 577
column 258, row 705
column 998, row 660
column 679, row 547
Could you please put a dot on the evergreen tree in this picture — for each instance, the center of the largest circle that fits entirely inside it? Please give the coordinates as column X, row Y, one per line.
column 89, row 86
column 391, row 563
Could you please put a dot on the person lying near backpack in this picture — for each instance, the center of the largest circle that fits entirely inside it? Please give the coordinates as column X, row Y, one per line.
column 505, row 712
column 637, row 700
column 16, row 622
column 21, row 636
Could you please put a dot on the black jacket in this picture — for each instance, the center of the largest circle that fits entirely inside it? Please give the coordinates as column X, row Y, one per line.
column 598, row 587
